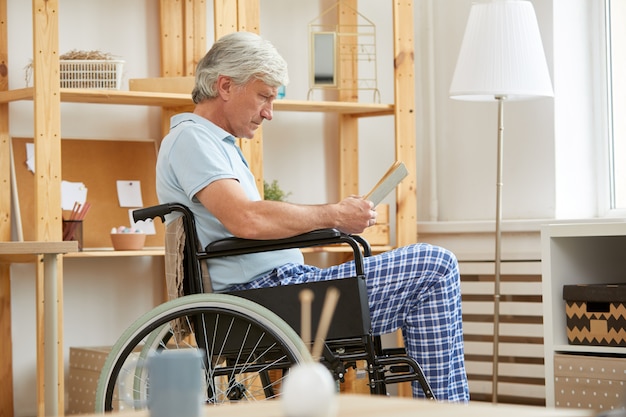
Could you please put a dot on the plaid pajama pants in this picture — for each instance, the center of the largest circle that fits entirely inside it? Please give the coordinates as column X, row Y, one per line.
column 415, row 288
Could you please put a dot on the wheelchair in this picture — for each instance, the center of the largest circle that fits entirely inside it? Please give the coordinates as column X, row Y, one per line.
column 249, row 339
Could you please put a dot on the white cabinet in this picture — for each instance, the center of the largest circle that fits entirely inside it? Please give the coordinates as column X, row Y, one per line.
column 583, row 253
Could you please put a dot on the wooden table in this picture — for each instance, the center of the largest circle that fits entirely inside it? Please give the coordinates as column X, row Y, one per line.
column 49, row 326
column 351, row 405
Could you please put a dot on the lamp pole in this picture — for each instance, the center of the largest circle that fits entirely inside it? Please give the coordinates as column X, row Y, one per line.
column 498, row 249
column 501, row 58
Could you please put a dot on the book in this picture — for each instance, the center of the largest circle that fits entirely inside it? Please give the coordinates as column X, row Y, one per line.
column 394, row 175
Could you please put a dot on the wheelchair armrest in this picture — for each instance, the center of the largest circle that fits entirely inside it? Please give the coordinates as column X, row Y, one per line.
column 238, row 246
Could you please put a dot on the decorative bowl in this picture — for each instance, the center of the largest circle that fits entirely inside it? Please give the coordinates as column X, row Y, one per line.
column 128, row 241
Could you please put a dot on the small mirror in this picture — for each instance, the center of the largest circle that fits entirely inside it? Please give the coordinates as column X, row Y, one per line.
column 323, row 59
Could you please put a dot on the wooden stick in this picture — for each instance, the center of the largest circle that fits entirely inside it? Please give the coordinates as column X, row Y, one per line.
column 330, row 302
column 306, row 298
column 74, row 210
column 83, row 211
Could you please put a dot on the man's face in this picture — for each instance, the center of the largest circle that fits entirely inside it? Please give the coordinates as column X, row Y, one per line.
column 248, row 106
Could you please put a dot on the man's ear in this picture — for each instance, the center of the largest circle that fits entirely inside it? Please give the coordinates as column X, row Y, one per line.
column 224, row 86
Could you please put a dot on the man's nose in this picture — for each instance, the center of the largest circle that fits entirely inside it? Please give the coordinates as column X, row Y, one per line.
column 268, row 111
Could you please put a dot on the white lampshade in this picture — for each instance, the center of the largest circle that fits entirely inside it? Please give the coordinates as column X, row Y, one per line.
column 501, row 54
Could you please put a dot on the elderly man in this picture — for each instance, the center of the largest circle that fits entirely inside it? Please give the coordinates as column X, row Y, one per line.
column 415, row 288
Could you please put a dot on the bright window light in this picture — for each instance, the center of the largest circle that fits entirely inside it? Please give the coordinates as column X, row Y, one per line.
column 616, row 55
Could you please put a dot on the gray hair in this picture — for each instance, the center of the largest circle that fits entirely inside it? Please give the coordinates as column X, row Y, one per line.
column 241, row 56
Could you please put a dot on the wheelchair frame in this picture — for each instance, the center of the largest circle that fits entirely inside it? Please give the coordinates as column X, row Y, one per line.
column 349, row 339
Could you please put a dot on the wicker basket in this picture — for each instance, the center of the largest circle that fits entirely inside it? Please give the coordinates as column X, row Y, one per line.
column 94, row 74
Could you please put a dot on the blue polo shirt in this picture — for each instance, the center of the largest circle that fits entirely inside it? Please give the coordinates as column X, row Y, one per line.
column 194, row 154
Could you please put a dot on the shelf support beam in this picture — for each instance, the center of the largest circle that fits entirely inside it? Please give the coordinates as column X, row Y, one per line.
column 243, row 15
column 183, row 36
column 348, row 125
column 5, row 144
column 183, row 44
column 404, row 91
column 48, row 215
column 6, row 352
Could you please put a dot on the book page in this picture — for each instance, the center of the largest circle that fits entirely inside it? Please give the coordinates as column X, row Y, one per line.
column 394, row 175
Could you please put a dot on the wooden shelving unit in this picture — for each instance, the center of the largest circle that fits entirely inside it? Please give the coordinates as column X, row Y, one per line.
column 583, row 253
column 178, row 57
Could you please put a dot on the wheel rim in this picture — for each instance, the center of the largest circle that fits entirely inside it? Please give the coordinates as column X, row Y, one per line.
column 249, row 351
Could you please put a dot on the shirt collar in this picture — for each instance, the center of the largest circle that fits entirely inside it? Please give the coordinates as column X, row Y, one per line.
column 216, row 130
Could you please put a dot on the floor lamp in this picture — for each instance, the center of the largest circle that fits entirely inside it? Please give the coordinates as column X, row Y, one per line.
column 501, row 59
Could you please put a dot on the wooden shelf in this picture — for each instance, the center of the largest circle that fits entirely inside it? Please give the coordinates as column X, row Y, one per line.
column 162, row 99
column 157, row 251
column 26, row 252
column 111, row 253
column 351, row 108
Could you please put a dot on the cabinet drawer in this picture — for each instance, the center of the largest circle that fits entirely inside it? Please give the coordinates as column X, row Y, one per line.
column 590, row 382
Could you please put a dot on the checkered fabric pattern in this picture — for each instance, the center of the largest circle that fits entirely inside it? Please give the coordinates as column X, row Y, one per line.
column 415, row 288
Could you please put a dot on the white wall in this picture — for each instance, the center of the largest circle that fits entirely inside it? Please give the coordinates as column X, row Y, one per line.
column 455, row 140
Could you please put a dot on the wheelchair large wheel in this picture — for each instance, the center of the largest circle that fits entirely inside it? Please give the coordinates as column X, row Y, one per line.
column 247, row 350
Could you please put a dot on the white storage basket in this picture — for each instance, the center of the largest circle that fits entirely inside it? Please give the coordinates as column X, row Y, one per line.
column 91, row 73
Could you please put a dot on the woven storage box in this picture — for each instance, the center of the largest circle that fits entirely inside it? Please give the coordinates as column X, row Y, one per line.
column 590, row 382
column 596, row 314
column 85, row 366
column 91, row 73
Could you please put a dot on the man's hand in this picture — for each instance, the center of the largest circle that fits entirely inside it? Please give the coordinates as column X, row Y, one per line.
column 355, row 215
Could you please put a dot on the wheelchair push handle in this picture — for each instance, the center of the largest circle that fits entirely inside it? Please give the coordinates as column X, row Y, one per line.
column 160, row 211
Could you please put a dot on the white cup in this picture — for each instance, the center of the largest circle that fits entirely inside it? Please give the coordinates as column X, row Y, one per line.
column 176, row 383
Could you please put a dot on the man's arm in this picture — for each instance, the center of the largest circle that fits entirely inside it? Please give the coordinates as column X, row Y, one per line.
column 244, row 218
